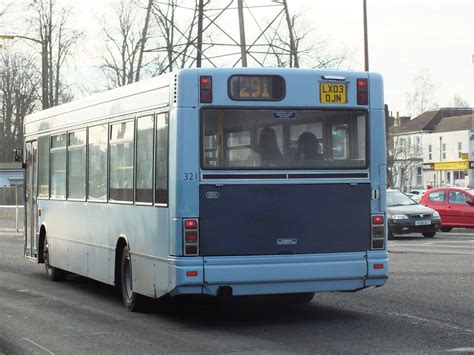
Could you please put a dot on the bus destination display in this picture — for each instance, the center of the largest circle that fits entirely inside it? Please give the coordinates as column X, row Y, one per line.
column 256, row 88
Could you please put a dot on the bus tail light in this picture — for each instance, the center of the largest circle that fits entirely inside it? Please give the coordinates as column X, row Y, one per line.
column 377, row 219
column 205, row 89
column 362, row 92
column 377, row 232
column 378, row 243
column 191, row 236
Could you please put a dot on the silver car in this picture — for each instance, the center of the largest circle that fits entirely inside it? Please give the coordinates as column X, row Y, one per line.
column 406, row 216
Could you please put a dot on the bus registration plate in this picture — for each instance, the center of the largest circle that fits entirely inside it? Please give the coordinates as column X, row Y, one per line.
column 332, row 93
column 422, row 223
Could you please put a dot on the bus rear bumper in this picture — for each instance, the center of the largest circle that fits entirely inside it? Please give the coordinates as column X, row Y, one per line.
column 257, row 275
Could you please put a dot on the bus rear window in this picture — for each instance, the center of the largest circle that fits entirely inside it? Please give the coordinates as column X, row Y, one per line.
column 273, row 139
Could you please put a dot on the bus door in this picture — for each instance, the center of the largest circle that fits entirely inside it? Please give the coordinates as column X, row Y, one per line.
column 31, row 206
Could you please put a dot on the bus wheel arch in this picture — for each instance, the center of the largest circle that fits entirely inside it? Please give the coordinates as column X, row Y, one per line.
column 40, row 247
column 54, row 273
column 121, row 244
column 124, row 277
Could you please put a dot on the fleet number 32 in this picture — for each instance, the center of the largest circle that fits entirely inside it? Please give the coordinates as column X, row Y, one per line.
column 190, row 176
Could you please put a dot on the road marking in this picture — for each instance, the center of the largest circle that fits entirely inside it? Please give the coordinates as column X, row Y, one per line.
column 39, row 346
column 436, row 322
column 462, row 350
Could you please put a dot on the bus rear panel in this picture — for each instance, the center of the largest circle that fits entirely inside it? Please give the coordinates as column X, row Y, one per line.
column 290, row 187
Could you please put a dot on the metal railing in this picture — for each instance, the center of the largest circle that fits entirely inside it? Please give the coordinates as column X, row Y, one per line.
column 12, row 211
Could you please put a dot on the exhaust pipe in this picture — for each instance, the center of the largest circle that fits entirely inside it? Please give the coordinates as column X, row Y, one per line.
column 224, row 291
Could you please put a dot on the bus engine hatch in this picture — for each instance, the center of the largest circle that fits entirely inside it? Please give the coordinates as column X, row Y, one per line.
column 284, row 219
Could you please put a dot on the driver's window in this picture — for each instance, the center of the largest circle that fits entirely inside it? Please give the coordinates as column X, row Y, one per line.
column 437, row 196
column 457, row 197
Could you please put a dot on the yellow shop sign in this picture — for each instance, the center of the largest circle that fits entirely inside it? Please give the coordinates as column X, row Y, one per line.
column 452, row 165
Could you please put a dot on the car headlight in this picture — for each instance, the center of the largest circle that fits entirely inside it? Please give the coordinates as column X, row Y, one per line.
column 399, row 216
column 435, row 214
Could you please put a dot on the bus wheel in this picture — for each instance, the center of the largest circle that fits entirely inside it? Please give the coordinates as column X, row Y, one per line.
column 54, row 274
column 133, row 301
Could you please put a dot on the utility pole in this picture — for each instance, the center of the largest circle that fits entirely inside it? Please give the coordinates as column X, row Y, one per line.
column 293, row 52
column 44, row 65
column 243, row 46
column 199, row 38
column 366, row 40
column 44, row 74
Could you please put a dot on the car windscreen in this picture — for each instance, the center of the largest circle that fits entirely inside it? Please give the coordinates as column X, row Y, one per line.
column 273, row 139
column 396, row 198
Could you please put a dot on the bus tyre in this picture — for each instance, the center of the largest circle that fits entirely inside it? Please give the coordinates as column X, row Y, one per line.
column 429, row 234
column 446, row 229
column 133, row 301
column 54, row 274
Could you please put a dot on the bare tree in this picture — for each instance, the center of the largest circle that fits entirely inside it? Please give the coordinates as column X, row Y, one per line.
column 459, row 102
column 20, row 85
column 402, row 162
column 297, row 47
column 422, row 97
column 51, row 25
column 4, row 9
column 126, row 40
column 179, row 41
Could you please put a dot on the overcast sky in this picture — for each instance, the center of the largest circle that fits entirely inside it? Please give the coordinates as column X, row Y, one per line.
column 405, row 38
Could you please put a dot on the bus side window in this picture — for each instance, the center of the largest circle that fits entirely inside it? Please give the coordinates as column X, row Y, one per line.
column 76, row 174
column 161, row 176
column 43, row 166
column 58, row 166
column 144, row 188
column 97, row 162
column 121, row 161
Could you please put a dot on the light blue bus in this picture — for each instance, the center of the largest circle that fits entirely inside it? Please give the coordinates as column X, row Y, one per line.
column 225, row 182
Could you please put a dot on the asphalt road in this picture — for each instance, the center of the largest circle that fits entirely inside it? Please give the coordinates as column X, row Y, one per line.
column 426, row 307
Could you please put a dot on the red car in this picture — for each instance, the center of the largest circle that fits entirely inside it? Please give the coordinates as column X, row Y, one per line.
column 455, row 206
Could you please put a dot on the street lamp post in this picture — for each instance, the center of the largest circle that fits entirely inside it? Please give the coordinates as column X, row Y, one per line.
column 366, row 40
column 44, row 65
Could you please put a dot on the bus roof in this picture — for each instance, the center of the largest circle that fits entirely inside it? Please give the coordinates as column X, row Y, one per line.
column 156, row 92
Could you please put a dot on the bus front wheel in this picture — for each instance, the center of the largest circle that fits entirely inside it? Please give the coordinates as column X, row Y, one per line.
column 54, row 274
column 133, row 301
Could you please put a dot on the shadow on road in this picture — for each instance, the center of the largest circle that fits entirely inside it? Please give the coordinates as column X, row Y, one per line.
column 242, row 311
column 214, row 311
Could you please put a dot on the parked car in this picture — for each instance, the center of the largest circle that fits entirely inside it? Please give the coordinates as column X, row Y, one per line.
column 406, row 216
column 455, row 206
column 417, row 193
column 412, row 196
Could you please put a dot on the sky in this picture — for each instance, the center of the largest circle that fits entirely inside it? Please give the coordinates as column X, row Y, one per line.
column 406, row 37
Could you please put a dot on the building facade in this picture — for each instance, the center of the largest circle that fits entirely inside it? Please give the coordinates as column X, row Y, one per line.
column 11, row 174
column 432, row 150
